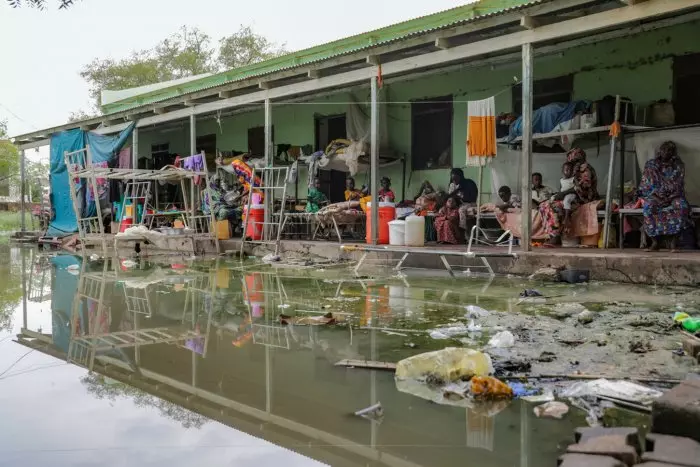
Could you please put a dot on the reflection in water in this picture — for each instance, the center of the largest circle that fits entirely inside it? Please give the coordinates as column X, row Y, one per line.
column 203, row 341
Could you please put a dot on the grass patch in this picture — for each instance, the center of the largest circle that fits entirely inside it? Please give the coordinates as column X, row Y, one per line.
column 10, row 221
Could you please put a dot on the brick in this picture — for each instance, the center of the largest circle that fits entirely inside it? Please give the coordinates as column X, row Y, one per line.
column 672, row 450
column 677, row 412
column 583, row 460
column 607, row 445
column 584, row 434
column 692, row 346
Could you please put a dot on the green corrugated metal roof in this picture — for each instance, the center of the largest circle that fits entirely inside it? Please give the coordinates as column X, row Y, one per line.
column 367, row 40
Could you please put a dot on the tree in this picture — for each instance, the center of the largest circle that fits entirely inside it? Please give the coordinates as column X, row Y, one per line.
column 187, row 52
column 246, row 47
column 9, row 160
column 111, row 390
column 40, row 4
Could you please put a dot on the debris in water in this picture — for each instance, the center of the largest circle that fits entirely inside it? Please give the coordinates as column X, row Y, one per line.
column 585, row 317
column 523, row 389
column 549, row 274
column 411, row 345
column 451, row 331
column 368, row 364
column 512, row 366
column 623, row 390
column 547, row 357
column 551, row 410
column 127, row 263
column 546, row 396
column 392, row 333
column 450, row 364
column 328, row 318
column 94, row 257
column 502, row 340
column 640, row 346
column 270, row 258
column 488, row 387
column 284, row 305
column 474, row 311
column 373, row 412
column 530, row 293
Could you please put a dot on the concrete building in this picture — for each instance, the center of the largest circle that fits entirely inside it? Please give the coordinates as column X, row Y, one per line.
column 416, row 78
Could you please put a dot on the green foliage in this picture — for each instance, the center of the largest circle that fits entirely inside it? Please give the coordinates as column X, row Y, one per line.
column 39, row 4
column 9, row 156
column 187, row 52
column 11, row 290
column 111, row 390
column 245, row 47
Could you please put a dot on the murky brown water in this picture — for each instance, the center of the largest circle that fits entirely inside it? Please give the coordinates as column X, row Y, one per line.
column 198, row 369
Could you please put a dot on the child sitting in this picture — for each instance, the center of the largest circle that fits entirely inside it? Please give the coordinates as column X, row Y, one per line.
column 315, row 198
column 385, row 194
column 447, row 223
column 508, row 199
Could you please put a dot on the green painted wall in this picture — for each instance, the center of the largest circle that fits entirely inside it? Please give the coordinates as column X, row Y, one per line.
column 638, row 67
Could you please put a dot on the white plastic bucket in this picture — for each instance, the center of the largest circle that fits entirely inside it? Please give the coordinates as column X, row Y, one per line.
column 415, row 231
column 397, row 233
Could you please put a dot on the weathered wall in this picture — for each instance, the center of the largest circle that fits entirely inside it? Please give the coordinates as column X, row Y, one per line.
column 638, row 67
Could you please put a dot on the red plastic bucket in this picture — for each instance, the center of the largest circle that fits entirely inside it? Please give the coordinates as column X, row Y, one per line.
column 387, row 213
column 254, row 230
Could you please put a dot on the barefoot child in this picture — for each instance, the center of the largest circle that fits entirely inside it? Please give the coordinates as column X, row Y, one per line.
column 566, row 190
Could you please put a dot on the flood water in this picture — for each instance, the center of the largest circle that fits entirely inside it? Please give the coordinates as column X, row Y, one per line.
column 191, row 366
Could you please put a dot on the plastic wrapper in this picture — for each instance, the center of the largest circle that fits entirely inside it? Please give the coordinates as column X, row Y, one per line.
column 449, row 364
column 624, row 390
column 488, row 387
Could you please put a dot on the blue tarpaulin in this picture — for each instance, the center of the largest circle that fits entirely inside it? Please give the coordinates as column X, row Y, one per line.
column 103, row 148
column 546, row 118
column 63, row 292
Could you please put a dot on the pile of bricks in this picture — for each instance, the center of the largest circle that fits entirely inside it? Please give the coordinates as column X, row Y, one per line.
column 674, row 442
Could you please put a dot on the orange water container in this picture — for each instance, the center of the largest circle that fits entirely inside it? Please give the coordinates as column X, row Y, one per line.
column 387, row 213
column 126, row 223
column 254, row 231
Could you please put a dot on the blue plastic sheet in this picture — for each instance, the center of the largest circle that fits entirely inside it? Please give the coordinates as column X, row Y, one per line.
column 63, row 292
column 546, row 118
column 103, row 148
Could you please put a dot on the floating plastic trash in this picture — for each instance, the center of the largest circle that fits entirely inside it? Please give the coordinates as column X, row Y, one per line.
column 502, row 340
column 551, row 410
column 488, row 387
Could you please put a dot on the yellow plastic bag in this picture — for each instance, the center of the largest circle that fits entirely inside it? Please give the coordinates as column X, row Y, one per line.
column 449, row 364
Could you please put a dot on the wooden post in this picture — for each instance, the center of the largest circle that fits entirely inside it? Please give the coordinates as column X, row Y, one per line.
column 374, row 160
column 134, row 166
column 269, row 202
column 193, row 151
column 22, row 182
column 608, row 188
column 525, row 237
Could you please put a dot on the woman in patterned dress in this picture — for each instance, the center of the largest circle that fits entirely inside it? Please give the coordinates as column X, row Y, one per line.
column 447, row 223
column 585, row 188
column 662, row 189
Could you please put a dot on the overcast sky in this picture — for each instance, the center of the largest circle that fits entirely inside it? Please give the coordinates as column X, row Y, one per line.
column 43, row 52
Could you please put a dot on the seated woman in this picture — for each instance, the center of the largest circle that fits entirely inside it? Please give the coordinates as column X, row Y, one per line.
column 466, row 192
column 508, row 199
column 662, row 189
column 585, row 188
column 385, row 193
column 427, row 199
column 447, row 223
column 351, row 193
column 315, row 198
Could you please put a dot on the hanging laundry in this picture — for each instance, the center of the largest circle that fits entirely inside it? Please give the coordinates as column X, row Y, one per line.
column 125, row 158
column 481, row 131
